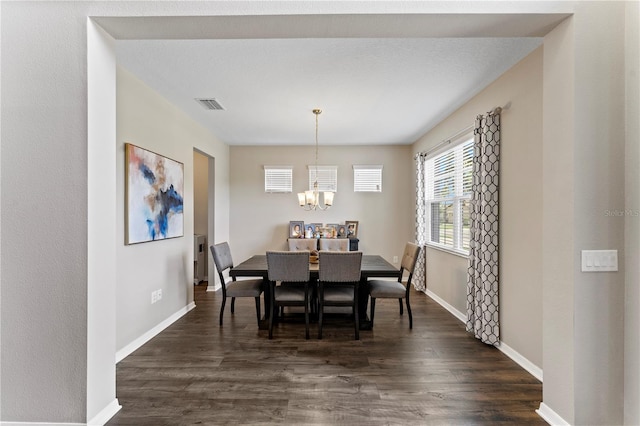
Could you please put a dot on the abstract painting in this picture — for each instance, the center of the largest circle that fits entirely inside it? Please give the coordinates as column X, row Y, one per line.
column 154, row 193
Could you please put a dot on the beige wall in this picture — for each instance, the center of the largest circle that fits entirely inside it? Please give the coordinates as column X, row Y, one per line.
column 146, row 119
column 599, row 186
column 45, row 348
column 259, row 220
column 558, row 212
column 520, row 207
column 632, row 224
column 583, row 178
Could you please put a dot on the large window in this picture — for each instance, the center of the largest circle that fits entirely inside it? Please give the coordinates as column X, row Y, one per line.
column 448, row 183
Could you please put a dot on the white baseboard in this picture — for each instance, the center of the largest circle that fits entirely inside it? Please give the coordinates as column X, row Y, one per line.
column 99, row 420
column 523, row 362
column 40, row 424
column 105, row 415
column 212, row 287
column 131, row 347
column 533, row 369
column 456, row 313
column 550, row 416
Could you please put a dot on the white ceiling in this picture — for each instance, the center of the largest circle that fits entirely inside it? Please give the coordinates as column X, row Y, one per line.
column 372, row 90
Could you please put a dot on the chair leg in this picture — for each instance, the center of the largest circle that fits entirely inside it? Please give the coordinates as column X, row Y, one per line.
column 410, row 317
column 400, row 301
column 258, row 310
column 313, row 302
column 373, row 309
column 233, row 305
column 224, row 301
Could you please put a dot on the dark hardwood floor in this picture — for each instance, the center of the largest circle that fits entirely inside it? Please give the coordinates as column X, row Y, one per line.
column 196, row 372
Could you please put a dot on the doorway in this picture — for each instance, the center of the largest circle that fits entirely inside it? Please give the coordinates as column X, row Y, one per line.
column 203, row 218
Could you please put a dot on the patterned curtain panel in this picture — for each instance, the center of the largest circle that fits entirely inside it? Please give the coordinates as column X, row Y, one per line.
column 482, row 277
column 420, row 272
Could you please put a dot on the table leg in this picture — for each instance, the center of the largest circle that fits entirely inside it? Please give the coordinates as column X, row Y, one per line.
column 363, row 303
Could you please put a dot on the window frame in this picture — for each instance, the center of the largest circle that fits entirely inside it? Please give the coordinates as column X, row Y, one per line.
column 268, row 179
column 330, row 175
column 462, row 149
column 360, row 183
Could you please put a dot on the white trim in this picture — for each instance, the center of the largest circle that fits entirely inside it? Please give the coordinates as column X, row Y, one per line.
column 533, row 369
column 368, row 166
column 550, row 416
column 456, row 313
column 105, row 415
column 523, row 362
column 447, row 249
column 40, row 424
column 131, row 347
column 213, row 287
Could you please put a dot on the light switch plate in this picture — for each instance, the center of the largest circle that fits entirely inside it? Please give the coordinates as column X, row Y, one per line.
column 599, row 260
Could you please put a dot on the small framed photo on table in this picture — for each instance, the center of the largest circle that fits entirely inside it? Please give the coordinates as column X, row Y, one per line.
column 342, row 231
column 296, row 229
column 352, row 228
column 333, row 228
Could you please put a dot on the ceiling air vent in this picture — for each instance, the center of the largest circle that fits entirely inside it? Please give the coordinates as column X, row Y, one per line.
column 210, row 104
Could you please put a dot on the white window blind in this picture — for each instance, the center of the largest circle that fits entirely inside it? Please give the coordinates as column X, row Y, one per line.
column 278, row 178
column 327, row 177
column 448, row 180
column 367, row 178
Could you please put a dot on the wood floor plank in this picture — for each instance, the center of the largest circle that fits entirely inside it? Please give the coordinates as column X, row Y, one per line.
column 197, row 373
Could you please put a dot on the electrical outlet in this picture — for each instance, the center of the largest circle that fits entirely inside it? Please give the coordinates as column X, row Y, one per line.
column 395, row 259
column 158, row 295
column 154, row 297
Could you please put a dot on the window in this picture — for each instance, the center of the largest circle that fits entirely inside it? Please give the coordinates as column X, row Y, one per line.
column 367, row 178
column 278, row 178
column 327, row 178
column 448, row 180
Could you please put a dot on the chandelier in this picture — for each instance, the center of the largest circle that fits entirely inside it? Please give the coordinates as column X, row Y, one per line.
column 310, row 200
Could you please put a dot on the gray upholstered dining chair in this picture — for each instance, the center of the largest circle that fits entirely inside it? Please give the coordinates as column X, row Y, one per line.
column 339, row 276
column 291, row 267
column 303, row 244
column 334, row 244
column 396, row 289
column 246, row 288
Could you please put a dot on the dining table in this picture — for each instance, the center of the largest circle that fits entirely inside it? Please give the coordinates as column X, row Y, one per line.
column 373, row 266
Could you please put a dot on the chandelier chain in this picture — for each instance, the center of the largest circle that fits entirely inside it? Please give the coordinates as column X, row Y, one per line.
column 310, row 200
column 317, row 112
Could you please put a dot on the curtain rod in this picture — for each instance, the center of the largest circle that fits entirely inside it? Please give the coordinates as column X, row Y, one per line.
column 448, row 140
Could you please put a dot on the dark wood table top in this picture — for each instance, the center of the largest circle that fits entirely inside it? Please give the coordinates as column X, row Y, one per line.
column 372, row 266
